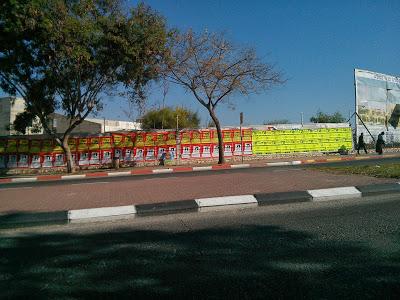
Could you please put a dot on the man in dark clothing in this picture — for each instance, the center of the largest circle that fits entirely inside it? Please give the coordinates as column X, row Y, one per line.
column 380, row 142
column 162, row 158
column 361, row 144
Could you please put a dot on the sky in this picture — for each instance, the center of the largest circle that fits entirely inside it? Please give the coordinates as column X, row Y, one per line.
column 317, row 44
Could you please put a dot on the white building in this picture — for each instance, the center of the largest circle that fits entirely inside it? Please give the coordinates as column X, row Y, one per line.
column 11, row 106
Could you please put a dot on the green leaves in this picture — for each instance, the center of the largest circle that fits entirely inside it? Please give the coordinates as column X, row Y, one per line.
column 166, row 118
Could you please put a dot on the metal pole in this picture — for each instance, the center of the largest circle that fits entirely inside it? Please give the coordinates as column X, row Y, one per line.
column 178, row 142
column 301, row 119
column 241, row 135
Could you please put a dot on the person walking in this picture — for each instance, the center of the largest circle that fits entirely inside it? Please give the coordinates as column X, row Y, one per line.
column 361, row 144
column 379, row 143
column 162, row 158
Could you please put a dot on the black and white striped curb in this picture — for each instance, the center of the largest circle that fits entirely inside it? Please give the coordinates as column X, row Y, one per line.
column 198, row 205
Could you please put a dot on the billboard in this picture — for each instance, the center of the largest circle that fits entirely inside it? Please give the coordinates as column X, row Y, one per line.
column 378, row 105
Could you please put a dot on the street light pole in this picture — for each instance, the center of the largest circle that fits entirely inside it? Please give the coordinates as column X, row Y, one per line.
column 301, row 119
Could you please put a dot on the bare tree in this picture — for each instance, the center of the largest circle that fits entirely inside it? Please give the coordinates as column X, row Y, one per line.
column 214, row 70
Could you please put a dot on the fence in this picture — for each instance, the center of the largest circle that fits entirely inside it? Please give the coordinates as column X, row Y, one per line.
column 138, row 146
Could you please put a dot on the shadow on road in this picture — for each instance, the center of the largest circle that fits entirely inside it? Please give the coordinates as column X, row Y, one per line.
column 239, row 263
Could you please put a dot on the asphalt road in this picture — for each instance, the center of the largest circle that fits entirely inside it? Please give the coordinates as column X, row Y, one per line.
column 328, row 250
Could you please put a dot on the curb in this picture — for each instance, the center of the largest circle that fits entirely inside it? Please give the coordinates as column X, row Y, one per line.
column 195, row 205
column 184, row 169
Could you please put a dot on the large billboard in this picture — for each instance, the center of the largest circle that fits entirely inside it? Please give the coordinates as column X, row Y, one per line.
column 378, row 105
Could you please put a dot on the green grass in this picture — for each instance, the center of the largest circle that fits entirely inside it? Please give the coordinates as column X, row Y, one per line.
column 382, row 170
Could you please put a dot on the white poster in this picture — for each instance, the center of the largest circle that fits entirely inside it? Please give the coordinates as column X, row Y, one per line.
column 186, row 152
column 206, row 153
column 228, row 150
column 47, row 161
column 128, row 155
column 195, row 151
column 94, row 158
column 59, row 160
column 117, row 153
column 150, row 154
column 35, row 163
column 172, row 153
column 139, row 154
column 247, row 149
column 106, row 159
column 12, row 161
column 238, row 149
column 23, row 161
column 215, row 152
column 83, row 159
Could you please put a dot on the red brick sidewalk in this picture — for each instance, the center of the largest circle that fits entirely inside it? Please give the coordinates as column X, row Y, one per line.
column 103, row 193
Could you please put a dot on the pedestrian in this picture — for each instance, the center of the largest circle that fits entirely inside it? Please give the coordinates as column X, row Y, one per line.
column 162, row 158
column 361, row 144
column 379, row 143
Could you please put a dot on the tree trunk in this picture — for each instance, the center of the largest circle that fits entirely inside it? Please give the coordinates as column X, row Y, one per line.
column 221, row 158
column 68, row 155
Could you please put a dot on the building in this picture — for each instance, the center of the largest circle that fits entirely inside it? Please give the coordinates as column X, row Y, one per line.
column 11, row 106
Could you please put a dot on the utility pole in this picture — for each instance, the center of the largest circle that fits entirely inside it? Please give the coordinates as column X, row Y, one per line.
column 301, row 119
column 178, row 141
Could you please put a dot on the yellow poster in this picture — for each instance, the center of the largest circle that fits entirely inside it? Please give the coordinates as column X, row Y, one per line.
column 83, row 144
column 129, row 140
column 171, row 138
column 94, row 143
column 139, row 141
column 160, row 139
column 72, row 144
column 118, row 140
column 3, row 145
column 106, row 143
column 149, row 141
column 305, row 140
column 47, row 146
column 185, row 137
column 236, row 135
column 205, row 136
column 227, row 136
column 196, row 137
column 23, row 146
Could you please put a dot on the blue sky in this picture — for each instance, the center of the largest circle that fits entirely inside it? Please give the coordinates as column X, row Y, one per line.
column 316, row 43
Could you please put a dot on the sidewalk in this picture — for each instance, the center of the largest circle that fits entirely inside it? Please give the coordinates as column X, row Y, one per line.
column 268, row 162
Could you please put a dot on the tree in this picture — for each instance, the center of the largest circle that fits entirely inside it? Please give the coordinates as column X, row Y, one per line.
column 65, row 55
column 321, row 117
column 279, row 121
column 214, row 70
column 166, row 118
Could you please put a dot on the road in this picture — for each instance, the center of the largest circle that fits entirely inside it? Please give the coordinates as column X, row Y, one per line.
column 329, row 250
column 106, row 192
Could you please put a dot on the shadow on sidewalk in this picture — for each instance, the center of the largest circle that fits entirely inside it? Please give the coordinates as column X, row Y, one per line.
column 239, row 263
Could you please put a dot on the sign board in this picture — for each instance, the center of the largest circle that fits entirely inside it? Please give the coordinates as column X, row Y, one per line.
column 377, row 104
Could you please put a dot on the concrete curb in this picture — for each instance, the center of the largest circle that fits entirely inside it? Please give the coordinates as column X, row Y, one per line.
column 195, row 205
column 184, row 169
